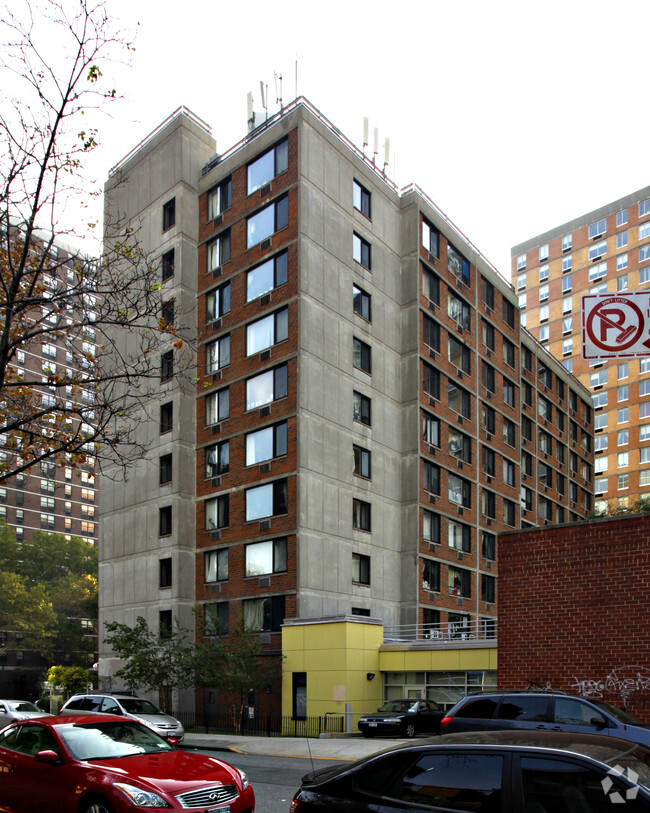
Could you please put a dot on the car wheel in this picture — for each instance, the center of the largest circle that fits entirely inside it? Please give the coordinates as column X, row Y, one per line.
column 409, row 730
column 368, row 734
column 97, row 805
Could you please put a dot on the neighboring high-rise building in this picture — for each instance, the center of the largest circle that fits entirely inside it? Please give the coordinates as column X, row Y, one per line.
column 365, row 414
column 52, row 496
column 604, row 251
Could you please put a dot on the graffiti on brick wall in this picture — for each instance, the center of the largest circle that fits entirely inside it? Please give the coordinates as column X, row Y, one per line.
column 622, row 681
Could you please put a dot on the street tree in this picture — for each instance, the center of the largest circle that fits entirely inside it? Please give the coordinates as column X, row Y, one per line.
column 97, row 320
column 161, row 661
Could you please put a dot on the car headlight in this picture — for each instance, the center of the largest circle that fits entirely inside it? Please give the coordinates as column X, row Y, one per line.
column 244, row 779
column 139, row 797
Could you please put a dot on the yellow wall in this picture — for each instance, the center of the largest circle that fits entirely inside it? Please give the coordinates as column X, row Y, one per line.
column 337, row 656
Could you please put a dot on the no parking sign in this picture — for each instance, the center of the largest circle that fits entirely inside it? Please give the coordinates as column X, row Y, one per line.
column 615, row 325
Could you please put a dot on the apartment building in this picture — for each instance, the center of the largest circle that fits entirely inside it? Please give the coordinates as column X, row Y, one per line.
column 366, row 413
column 50, row 497
column 604, row 251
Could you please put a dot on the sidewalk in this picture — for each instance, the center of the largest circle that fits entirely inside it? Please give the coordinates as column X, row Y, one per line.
column 346, row 748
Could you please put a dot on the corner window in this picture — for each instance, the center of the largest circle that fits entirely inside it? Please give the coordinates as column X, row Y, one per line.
column 266, row 501
column 267, row 331
column 167, row 265
column 267, row 387
column 166, row 417
column 267, row 443
column 361, row 199
column 361, row 251
column 167, row 365
column 430, row 238
column 267, row 221
column 430, row 380
column 165, row 572
column 457, row 264
column 219, row 199
column 361, row 408
column 431, row 526
column 430, row 429
column 165, row 469
column 361, row 462
column 165, row 521
column 215, row 565
column 361, row 355
column 431, row 478
column 169, row 214
column 361, row 303
column 218, row 251
column 268, row 166
column 266, row 557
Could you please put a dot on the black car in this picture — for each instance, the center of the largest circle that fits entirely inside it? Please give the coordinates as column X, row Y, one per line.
column 487, row 772
column 404, row 718
column 542, row 710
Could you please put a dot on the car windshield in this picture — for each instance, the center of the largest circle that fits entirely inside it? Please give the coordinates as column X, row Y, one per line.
column 111, row 740
column 21, row 705
column 400, row 705
column 635, row 761
column 617, row 714
column 135, row 705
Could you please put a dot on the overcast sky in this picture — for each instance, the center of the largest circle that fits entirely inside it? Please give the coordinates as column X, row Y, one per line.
column 512, row 116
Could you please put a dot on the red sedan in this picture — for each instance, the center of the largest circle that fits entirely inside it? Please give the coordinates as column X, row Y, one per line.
column 103, row 764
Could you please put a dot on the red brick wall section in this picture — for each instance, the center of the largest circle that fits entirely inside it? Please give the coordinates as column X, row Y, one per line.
column 574, row 610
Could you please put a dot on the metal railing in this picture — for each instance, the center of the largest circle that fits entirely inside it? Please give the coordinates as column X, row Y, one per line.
column 261, row 725
column 450, row 633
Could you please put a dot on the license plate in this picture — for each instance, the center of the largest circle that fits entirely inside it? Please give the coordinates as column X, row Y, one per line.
column 372, row 725
column 225, row 809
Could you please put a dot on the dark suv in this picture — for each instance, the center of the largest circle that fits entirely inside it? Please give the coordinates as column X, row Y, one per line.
column 542, row 710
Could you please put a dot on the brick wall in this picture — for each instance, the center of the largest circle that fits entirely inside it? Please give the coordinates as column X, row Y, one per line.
column 574, row 610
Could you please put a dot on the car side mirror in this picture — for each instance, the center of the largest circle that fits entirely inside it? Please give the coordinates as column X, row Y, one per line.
column 46, row 756
column 598, row 722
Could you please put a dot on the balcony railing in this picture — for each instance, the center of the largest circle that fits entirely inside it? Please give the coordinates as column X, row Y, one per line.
column 449, row 634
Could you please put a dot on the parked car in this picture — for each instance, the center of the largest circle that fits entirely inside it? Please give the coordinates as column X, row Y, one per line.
column 488, row 772
column 137, row 708
column 539, row 710
column 18, row 710
column 105, row 764
column 402, row 718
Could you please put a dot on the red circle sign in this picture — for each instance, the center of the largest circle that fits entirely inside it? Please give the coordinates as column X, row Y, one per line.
column 619, row 325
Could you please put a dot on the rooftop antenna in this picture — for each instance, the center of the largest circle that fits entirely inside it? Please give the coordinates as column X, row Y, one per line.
column 264, row 98
column 386, row 153
column 366, row 127
column 278, row 96
column 375, row 151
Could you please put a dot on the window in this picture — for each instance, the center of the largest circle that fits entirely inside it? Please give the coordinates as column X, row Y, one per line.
column 597, row 228
column 508, row 432
column 268, row 166
column 361, row 462
column 266, row 557
column 431, row 478
column 166, row 417
column 165, row 572
column 430, row 429
column 567, row 347
column 360, row 568
column 598, row 379
column 597, row 251
column 219, row 199
column 644, row 455
column 567, row 304
column 621, row 239
column 361, row 251
column 267, row 276
column 459, row 355
column 265, row 444
column 488, row 504
column 567, row 325
column 543, row 293
column 165, row 520
column 622, row 459
column 460, row 583
column 508, row 352
column 165, row 469
column 509, row 392
column 266, row 501
column 487, row 334
column 431, row 285
column 431, row 526
column 488, row 461
column 167, row 365
column 217, row 459
column 460, row 445
column 622, row 415
column 621, row 262
column 267, row 331
column 169, row 214
column 622, row 393
column 521, row 262
column 217, row 302
column 543, row 313
column 217, row 406
column 487, row 292
column 431, row 576
column 459, row 311
column 508, row 472
column 217, row 354
column 459, row 536
column 431, row 333
column 567, row 264
column 361, row 355
column 489, row 545
column 457, row 264
column 567, row 242
column 488, row 376
column 361, row 198
column 488, row 418
column 508, row 313
column 460, row 491
column 509, row 512
column 488, row 588
column 360, row 515
column 264, row 614
column 597, row 272
column 621, row 218
column 521, row 282
column 644, row 388
column 361, row 408
column 622, row 437
column 217, row 513
column 430, row 237
column 644, row 231
column 216, row 618
column 361, row 303
column 165, row 623
column 167, row 265
column 543, row 252
column 459, row 400
column 267, row 387
column 430, row 380
column 543, row 273
column 644, row 253
column 267, row 221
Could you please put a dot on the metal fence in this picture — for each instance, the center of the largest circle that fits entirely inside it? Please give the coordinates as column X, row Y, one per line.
column 262, row 725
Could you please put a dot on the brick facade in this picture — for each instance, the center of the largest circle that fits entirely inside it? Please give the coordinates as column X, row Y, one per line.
column 574, row 604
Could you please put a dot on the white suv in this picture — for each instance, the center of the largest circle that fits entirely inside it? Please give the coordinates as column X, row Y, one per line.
column 136, row 708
